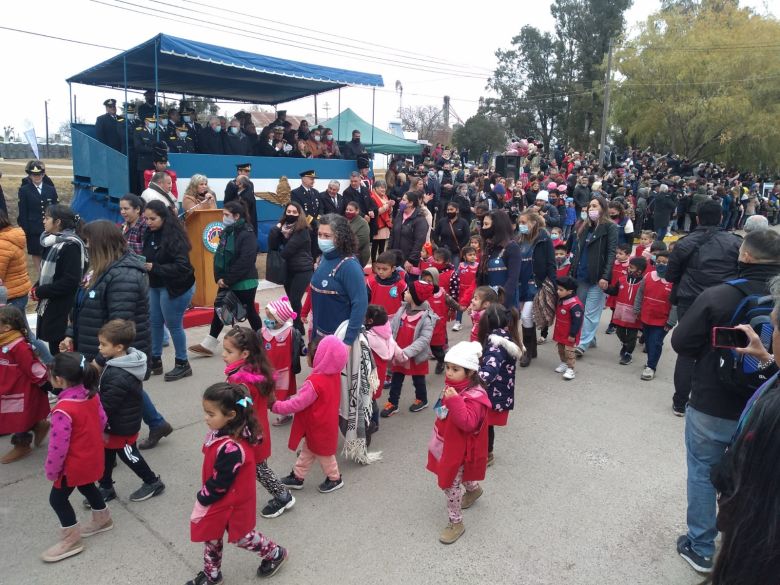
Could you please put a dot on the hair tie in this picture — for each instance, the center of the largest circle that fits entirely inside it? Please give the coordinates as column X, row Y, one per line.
column 77, row 218
column 83, row 362
column 245, row 401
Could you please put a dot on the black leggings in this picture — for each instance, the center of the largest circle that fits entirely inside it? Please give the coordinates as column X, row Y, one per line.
column 491, row 438
column 131, row 457
column 58, row 500
column 438, row 353
column 377, row 247
column 295, row 288
column 247, row 298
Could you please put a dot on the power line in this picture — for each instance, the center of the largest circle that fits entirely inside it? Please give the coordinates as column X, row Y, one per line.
column 37, row 34
column 700, row 48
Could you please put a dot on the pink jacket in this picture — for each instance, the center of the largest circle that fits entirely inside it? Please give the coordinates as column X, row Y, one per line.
column 382, row 343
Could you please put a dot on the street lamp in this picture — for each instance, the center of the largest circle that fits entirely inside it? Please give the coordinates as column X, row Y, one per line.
column 46, row 112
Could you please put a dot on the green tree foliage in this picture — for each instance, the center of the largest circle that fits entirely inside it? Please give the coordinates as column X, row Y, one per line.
column 698, row 81
column 478, row 134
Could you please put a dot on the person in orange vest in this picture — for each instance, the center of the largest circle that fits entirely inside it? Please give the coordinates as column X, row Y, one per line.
column 568, row 325
column 656, row 312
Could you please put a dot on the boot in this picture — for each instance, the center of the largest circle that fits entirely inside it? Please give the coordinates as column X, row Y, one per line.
column 20, row 450
column 101, row 522
column 181, row 370
column 470, row 497
column 155, row 366
column 69, row 545
column 155, row 435
column 207, row 347
column 529, row 340
column 452, row 532
column 40, row 430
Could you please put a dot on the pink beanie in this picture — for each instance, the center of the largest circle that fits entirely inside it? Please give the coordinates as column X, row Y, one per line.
column 282, row 309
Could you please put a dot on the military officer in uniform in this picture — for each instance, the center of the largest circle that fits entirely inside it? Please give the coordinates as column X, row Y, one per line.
column 144, row 142
column 234, row 191
column 180, row 142
column 106, row 126
column 309, row 199
column 35, row 195
column 190, row 118
column 149, row 107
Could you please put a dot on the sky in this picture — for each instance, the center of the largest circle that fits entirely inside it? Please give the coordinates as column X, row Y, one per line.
column 433, row 52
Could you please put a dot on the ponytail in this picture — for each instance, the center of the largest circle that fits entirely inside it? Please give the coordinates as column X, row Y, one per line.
column 74, row 368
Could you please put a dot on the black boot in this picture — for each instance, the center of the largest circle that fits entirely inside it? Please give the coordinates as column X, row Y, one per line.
column 529, row 340
column 181, row 370
column 155, row 366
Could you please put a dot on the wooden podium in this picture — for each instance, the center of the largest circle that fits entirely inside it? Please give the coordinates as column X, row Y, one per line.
column 203, row 228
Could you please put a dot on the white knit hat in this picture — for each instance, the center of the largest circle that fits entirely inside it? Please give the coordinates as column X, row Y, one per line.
column 465, row 354
column 543, row 196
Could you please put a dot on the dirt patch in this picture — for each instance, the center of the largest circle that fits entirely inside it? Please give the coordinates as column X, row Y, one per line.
column 60, row 171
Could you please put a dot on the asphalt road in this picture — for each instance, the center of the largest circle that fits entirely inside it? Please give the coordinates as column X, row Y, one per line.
column 588, row 488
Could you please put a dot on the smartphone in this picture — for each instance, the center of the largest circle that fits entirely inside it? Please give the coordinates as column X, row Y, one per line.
column 729, row 337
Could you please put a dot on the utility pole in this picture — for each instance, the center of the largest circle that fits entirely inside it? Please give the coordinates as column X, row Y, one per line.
column 326, row 107
column 605, row 113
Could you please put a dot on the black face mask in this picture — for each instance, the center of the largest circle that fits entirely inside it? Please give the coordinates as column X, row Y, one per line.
column 452, row 214
column 356, row 140
column 487, row 232
column 290, row 218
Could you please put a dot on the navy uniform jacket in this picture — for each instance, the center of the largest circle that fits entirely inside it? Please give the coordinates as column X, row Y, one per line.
column 106, row 131
column 143, row 142
column 181, row 145
column 247, row 196
column 147, row 111
column 32, row 205
column 312, row 207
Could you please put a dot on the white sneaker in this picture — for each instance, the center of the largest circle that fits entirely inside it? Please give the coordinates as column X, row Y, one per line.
column 568, row 374
column 457, row 326
column 562, row 367
column 541, row 340
column 648, row 374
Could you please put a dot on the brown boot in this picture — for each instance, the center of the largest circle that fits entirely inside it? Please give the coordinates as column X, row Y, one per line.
column 19, row 451
column 452, row 532
column 69, row 545
column 101, row 522
column 470, row 497
column 40, row 430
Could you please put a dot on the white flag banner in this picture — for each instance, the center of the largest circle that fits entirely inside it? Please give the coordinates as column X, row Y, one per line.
column 32, row 140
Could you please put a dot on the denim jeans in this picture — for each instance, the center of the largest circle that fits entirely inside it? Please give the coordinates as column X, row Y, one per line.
column 592, row 297
column 654, row 343
column 662, row 232
column 167, row 311
column 41, row 347
column 151, row 417
column 706, row 438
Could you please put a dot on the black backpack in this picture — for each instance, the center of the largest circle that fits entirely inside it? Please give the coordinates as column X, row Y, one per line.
column 754, row 309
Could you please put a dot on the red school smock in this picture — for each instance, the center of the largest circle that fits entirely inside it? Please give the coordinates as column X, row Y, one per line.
column 236, row 510
column 655, row 300
column 563, row 320
column 239, row 375
column 468, row 283
column 624, row 315
column 279, row 347
column 318, row 423
column 618, row 269
column 438, row 304
column 390, row 296
column 404, row 339
column 22, row 402
column 84, row 462
column 451, row 448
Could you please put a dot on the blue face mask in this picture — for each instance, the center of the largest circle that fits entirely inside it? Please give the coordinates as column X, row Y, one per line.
column 555, row 236
column 227, row 221
column 326, row 245
column 270, row 324
column 661, row 270
column 234, row 130
column 653, row 257
column 218, row 129
column 522, row 228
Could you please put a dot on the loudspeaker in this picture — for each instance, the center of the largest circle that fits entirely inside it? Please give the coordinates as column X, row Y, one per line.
column 508, row 166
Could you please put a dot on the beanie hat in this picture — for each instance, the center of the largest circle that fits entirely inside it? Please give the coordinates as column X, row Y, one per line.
column 465, row 354
column 282, row 310
column 543, row 196
column 420, row 291
column 434, row 274
column 552, row 186
column 562, row 188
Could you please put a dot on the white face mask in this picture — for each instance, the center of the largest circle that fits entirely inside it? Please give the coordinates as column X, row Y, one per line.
column 233, row 130
column 182, row 135
column 288, row 147
column 317, row 138
column 151, row 126
column 329, row 137
column 131, row 117
column 187, row 119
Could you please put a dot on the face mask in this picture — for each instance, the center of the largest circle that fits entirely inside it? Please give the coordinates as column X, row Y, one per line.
column 559, row 261
column 326, row 245
column 187, row 119
column 522, row 228
column 401, row 206
column 270, row 143
column 661, row 270
column 131, row 117
column 287, row 148
column 488, row 232
column 452, row 214
column 317, row 138
column 652, row 257
column 151, row 126
column 583, row 215
column 218, row 129
column 233, row 130
column 290, row 218
column 350, row 214
column 182, row 135
column 355, row 140
column 594, row 215
column 270, row 324
column 614, row 217
column 329, row 137
column 228, row 221
column 555, row 236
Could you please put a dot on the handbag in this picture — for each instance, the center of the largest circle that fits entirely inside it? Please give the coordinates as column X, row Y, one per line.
column 229, row 308
column 275, row 267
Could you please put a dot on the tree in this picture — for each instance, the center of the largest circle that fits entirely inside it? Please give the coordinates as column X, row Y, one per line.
column 693, row 83
column 425, row 120
column 478, row 134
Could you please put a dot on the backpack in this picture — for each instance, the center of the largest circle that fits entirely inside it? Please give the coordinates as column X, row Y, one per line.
column 754, row 309
column 229, row 308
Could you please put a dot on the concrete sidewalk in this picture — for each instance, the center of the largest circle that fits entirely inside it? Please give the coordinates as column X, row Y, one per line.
column 588, row 488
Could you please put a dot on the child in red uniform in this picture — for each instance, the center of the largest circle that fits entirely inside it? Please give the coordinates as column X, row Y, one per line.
column 226, row 501
column 622, row 255
column 483, row 297
column 247, row 364
column 384, row 348
column 281, row 342
column 562, row 260
column 646, row 238
column 476, row 243
column 442, row 262
column 568, row 325
column 426, row 256
column 457, row 450
column 75, row 458
column 625, row 320
column 463, row 283
column 441, row 303
column 24, row 405
column 413, row 327
column 386, row 285
column 317, row 415
column 655, row 311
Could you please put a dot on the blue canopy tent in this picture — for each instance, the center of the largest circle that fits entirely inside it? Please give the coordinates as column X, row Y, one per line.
column 174, row 65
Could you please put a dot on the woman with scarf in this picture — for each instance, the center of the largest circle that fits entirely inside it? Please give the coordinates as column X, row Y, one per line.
column 500, row 263
column 62, row 266
column 131, row 208
column 330, row 148
column 198, row 194
column 234, row 270
column 291, row 237
column 383, row 218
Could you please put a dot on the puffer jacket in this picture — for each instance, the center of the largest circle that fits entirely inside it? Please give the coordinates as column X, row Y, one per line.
column 238, row 264
column 601, row 252
column 121, row 392
column 497, row 369
column 423, row 332
column 121, row 292
column 13, row 262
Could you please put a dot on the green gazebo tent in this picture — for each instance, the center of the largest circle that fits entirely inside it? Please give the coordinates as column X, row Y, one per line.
column 374, row 139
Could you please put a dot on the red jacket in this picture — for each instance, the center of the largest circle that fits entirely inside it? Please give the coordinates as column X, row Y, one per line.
column 624, row 315
column 318, row 423
column 468, row 283
column 22, row 402
column 172, row 174
column 568, row 317
column 84, row 463
column 237, row 509
column 278, row 347
column 618, row 269
column 460, row 440
column 655, row 300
